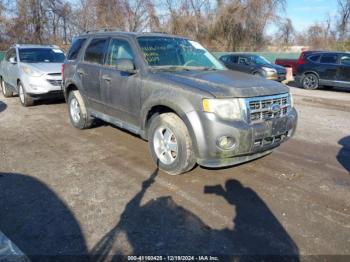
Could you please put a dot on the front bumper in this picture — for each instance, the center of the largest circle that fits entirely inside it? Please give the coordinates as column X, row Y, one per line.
column 43, row 85
column 251, row 141
column 276, row 77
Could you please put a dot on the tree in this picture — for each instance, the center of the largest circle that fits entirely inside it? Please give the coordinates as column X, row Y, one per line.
column 344, row 14
column 286, row 32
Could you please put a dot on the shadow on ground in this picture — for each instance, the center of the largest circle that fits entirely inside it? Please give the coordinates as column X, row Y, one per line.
column 343, row 156
column 40, row 224
column 162, row 227
column 3, row 106
column 37, row 221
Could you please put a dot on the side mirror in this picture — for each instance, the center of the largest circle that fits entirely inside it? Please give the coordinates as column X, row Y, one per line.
column 12, row 60
column 126, row 65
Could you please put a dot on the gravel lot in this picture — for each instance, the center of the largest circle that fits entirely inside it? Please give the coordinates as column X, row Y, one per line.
column 97, row 192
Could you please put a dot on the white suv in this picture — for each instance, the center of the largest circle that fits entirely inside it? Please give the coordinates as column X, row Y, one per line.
column 32, row 71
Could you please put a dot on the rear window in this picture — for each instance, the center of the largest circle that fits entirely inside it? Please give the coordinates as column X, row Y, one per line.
column 329, row 59
column 96, row 50
column 75, row 48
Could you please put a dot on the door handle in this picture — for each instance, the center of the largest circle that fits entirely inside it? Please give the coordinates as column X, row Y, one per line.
column 106, row 78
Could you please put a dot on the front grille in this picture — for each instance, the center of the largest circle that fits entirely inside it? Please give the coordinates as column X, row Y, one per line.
column 269, row 141
column 268, row 107
column 55, row 82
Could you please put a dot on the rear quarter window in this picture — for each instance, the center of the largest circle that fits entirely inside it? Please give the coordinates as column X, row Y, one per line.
column 314, row 58
column 77, row 44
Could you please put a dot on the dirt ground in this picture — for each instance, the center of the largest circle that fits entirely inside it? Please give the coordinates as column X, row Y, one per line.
column 97, row 192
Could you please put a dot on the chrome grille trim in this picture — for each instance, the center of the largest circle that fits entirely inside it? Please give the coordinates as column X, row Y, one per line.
column 259, row 108
column 54, row 82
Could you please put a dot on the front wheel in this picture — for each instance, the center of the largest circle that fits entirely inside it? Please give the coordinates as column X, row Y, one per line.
column 5, row 90
column 26, row 100
column 310, row 81
column 170, row 144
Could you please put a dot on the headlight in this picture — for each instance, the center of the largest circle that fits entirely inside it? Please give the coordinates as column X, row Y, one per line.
column 291, row 100
column 269, row 70
column 225, row 108
column 31, row 71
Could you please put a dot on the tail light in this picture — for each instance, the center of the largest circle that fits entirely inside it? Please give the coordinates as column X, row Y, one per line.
column 301, row 59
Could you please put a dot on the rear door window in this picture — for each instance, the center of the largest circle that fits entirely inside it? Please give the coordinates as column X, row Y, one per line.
column 96, row 50
column 77, row 44
column 243, row 60
column 329, row 59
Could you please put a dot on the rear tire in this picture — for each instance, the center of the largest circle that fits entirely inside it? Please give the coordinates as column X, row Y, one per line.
column 310, row 81
column 77, row 111
column 5, row 90
column 170, row 144
column 26, row 100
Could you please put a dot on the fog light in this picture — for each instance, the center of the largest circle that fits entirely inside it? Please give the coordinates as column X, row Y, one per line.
column 226, row 142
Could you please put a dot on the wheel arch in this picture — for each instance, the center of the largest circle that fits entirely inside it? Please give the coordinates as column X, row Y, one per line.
column 311, row 72
column 152, row 110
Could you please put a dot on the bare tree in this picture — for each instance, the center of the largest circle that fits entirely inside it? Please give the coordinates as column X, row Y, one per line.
column 286, row 32
column 344, row 14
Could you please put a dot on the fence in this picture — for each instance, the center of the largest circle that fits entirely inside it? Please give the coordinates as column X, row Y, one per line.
column 271, row 56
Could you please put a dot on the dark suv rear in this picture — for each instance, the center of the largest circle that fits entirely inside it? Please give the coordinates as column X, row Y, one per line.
column 324, row 69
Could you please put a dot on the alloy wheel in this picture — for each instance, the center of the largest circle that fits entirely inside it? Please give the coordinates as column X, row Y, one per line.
column 75, row 110
column 165, row 145
column 310, row 82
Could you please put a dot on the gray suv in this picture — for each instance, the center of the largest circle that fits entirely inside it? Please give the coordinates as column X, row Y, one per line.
column 32, row 71
column 171, row 91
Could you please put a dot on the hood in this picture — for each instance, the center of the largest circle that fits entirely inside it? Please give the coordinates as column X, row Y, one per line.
column 225, row 83
column 46, row 67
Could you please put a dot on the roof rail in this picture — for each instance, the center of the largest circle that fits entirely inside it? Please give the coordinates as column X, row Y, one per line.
column 101, row 30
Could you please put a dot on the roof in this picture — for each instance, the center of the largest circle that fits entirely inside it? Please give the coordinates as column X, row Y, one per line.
column 124, row 33
column 35, row 46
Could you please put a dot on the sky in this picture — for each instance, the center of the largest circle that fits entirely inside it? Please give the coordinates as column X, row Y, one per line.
column 304, row 13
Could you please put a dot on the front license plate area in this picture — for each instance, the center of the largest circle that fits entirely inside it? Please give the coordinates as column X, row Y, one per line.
column 279, row 126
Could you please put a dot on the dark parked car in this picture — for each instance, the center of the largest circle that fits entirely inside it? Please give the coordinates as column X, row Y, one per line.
column 324, row 69
column 172, row 92
column 294, row 63
column 255, row 65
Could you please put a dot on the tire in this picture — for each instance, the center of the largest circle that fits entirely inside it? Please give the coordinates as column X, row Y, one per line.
column 78, row 115
column 5, row 91
column 25, row 99
column 310, row 81
column 170, row 144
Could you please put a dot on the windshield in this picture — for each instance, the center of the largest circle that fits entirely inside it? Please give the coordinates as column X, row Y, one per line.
column 41, row 55
column 167, row 52
column 260, row 60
